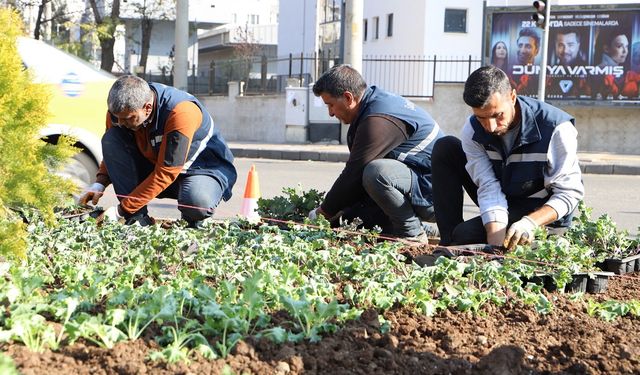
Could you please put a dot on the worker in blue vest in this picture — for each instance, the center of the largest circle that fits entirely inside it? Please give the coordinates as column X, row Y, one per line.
column 387, row 179
column 517, row 160
column 161, row 142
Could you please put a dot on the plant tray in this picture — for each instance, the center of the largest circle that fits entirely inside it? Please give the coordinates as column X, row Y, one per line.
column 592, row 282
column 82, row 216
column 621, row 266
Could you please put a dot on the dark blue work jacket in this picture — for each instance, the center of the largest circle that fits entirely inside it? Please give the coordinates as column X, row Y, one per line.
column 521, row 170
column 208, row 153
column 415, row 152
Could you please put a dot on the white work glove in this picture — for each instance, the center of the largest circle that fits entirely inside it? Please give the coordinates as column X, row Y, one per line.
column 313, row 214
column 93, row 194
column 520, row 233
column 112, row 214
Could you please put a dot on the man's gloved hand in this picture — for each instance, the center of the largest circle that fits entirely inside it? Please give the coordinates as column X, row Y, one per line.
column 93, row 194
column 313, row 214
column 520, row 233
column 111, row 214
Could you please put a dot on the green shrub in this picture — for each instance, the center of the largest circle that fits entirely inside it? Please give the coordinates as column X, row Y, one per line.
column 294, row 205
column 25, row 161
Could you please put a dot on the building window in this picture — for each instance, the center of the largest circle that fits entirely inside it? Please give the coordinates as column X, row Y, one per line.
column 365, row 27
column 376, row 27
column 455, row 21
column 389, row 24
column 253, row 19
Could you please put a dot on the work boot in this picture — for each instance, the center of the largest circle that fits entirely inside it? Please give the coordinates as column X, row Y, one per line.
column 429, row 260
column 421, row 238
column 195, row 224
column 431, row 230
column 143, row 220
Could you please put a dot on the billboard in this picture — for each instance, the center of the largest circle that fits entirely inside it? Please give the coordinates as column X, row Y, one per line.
column 593, row 54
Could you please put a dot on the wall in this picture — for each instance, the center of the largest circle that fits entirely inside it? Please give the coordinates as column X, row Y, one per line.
column 454, row 44
column 297, row 28
column 408, row 28
column 248, row 118
column 261, row 119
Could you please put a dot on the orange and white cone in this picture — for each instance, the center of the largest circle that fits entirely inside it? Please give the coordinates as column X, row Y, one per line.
column 249, row 208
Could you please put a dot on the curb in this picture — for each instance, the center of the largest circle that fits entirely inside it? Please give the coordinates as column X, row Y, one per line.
column 309, row 155
column 609, row 168
column 587, row 167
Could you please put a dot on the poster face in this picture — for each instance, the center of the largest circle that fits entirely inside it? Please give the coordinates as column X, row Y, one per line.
column 592, row 55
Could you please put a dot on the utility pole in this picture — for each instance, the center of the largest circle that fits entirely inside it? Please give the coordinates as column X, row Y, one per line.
column 354, row 14
column 542, row 20
column 180, row 65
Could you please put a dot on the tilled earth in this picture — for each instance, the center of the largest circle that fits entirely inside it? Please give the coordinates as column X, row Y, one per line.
column 508, row 340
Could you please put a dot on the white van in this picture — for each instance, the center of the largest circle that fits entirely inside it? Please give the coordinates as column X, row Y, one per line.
column 78, row 104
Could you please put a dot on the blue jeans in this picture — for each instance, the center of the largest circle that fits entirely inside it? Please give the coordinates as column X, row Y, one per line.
column 388, row 186
column 197, row 195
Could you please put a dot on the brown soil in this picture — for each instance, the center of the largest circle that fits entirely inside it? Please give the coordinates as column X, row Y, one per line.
column 506, row 340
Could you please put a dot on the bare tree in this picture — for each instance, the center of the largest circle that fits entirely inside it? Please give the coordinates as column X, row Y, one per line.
column 106, row 29
column 245, row 49
column 39, row 21
column 58, row 13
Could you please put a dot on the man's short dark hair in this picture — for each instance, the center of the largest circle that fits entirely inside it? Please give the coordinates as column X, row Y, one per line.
column 338, row 80
column 483, row 83
column 531, row 33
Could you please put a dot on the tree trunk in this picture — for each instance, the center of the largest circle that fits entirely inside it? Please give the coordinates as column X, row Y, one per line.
column 106, row 38
column 36, row 31
column 106, row 55
column 146, row 26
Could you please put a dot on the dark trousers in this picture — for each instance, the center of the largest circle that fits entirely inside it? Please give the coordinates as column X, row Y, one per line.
column 449, row 178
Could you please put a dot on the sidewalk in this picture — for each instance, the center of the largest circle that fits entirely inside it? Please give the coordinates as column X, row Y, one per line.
column 591, row 163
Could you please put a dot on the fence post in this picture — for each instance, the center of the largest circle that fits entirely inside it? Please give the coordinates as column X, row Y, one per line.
column 193, row 75
column 212, row 77
column 263, row 73
column 301, row 67
column 434, row 69
column 315, row 66
column 469, row 73
column 290, row 64
column 326, row 63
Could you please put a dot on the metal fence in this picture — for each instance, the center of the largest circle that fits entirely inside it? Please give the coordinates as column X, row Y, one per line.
column 409, row 76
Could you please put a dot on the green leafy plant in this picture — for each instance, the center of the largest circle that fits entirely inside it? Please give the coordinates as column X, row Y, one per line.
column 313, row 317
column 178, row 350
column 610, row 310
column 7, row 366
column 602, row 235
column 294, row 205
column 32, row 330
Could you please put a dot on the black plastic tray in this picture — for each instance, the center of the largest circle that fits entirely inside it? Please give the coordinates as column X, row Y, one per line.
column 621, row 266
column 592, row 282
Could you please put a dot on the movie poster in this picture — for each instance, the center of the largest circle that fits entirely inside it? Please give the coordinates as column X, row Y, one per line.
column 592, row 55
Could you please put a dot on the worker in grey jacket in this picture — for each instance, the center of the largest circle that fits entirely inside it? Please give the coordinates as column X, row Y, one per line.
column 517, row 160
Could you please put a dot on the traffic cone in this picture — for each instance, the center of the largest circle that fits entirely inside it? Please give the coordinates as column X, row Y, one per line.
column 249, row 208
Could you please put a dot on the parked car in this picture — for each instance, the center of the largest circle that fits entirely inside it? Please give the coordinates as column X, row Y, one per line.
column 78, row 104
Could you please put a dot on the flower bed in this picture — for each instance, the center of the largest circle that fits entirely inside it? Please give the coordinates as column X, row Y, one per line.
column 267, row 300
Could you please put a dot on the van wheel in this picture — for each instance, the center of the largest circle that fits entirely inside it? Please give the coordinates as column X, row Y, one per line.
column 81, row 170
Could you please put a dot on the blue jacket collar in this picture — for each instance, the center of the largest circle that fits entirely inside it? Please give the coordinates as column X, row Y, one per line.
column 529, row 131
